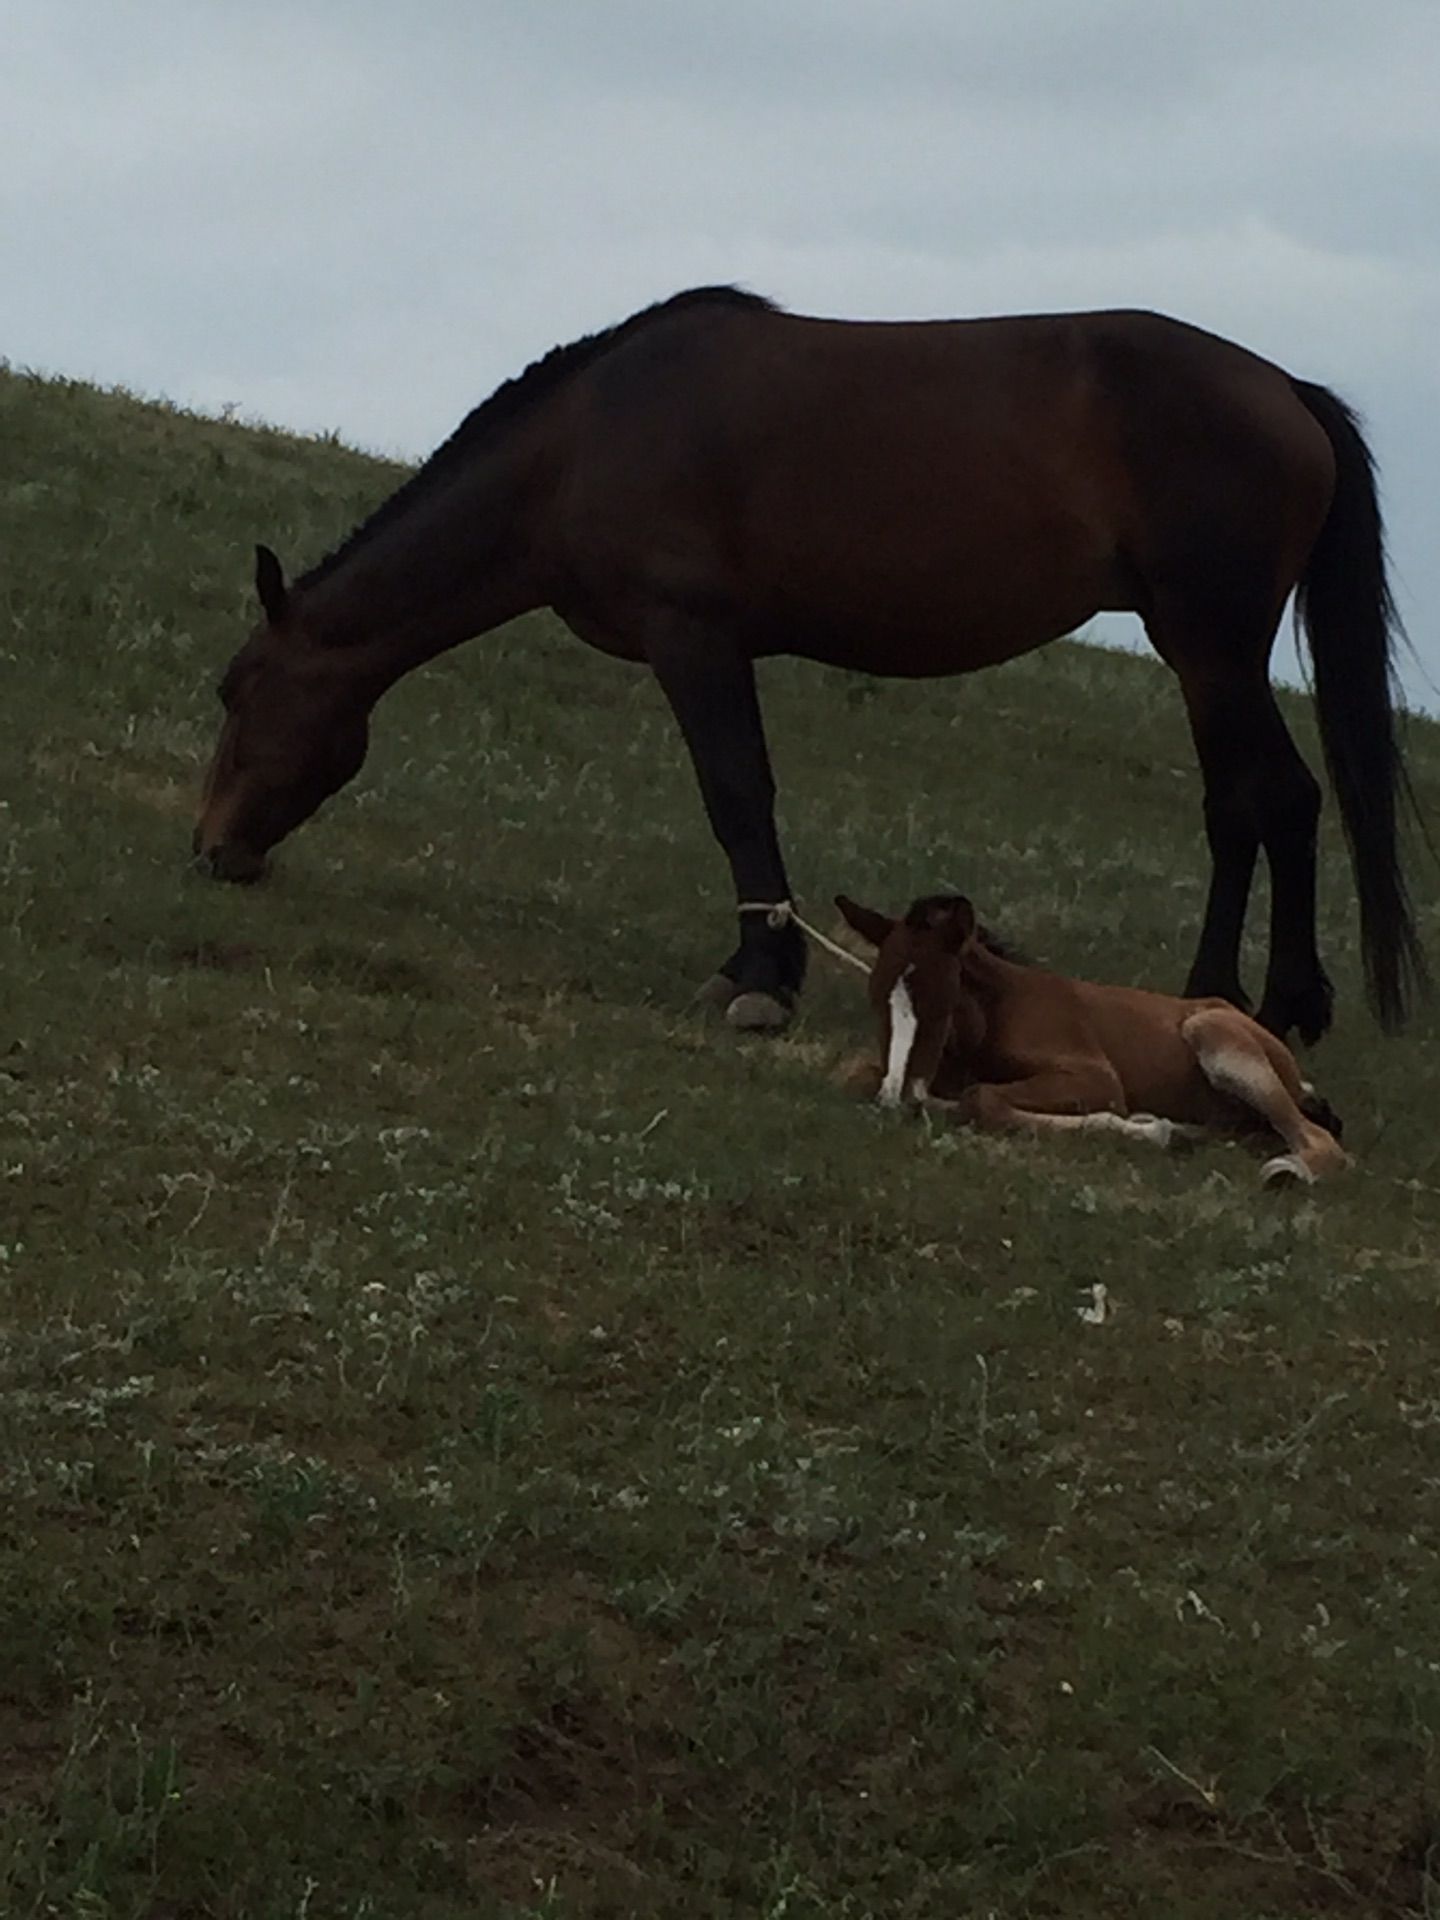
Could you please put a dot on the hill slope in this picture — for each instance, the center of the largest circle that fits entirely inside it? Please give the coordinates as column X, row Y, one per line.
column 479, row 1438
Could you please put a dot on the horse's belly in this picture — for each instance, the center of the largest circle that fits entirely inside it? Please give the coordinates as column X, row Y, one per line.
column 905, row 638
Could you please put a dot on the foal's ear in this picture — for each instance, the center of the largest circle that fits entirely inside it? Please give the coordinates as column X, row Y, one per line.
column 270, row 585
column 874, row 927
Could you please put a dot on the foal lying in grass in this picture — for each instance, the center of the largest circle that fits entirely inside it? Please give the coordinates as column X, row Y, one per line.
column 965, row 1029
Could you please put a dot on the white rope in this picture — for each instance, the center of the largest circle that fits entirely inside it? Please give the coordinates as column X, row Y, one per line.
column 781, row 913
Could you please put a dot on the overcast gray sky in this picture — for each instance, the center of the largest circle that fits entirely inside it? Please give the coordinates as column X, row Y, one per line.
column 363, row 217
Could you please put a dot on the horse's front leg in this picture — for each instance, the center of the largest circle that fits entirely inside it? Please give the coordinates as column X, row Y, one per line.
column 710, row 684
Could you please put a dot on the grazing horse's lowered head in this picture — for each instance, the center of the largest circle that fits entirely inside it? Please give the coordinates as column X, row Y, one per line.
column 296, row 728
column 965, row 1029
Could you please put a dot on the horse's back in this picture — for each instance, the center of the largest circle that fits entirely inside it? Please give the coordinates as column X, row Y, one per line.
column 918, row 496
column 901, row 497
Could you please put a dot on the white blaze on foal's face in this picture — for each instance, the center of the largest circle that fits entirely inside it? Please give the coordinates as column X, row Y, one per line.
column 903, row 1025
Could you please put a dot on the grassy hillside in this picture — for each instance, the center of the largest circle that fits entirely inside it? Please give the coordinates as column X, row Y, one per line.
column 480, row 1439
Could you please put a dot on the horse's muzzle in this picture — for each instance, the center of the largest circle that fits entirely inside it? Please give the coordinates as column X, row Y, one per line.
column 230, row 861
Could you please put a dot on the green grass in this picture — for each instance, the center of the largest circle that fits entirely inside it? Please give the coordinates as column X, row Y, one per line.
column 479, row 1438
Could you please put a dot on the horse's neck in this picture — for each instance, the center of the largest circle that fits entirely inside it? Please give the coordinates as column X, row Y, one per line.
column 455, row 560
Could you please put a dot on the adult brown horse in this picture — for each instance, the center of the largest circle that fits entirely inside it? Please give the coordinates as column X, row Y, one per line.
column 713, row 481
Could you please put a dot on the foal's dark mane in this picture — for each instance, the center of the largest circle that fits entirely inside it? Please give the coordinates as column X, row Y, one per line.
column 919, row 917
column 1003, row 949
column 512, row 397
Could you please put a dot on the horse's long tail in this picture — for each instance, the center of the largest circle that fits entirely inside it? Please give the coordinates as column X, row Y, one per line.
column 1344, row 604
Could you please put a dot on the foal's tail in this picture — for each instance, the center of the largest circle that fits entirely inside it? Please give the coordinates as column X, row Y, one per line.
column 1344, row 604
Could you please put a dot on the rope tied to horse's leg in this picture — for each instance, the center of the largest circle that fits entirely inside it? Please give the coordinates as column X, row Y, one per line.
column 781, row 913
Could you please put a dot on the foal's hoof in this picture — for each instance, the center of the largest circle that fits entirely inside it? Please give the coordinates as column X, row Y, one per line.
column 757, row 1013
column 1286, row 1170
column 718, row 991
column 1317, row 1109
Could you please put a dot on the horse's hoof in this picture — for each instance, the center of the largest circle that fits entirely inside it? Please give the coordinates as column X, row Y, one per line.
column 757, row 1013
column 718, row 991
column 1305, row 1011
column 1286, row 1170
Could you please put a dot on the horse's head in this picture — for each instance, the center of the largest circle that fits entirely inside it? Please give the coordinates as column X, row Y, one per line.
column 916, row 986
column 296, row 727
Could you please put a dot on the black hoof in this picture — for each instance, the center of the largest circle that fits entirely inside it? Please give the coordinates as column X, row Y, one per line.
column 718, row 991
column 769, row 963
column 1305, row 1011
column 757, row 1013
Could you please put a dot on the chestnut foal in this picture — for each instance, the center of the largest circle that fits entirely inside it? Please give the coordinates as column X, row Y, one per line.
column 1006, row 1046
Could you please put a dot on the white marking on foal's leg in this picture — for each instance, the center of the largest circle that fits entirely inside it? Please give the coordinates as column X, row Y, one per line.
column 1134, row 1126
column 1241, row 1075
column 902, row 1039
column 1150, row 1128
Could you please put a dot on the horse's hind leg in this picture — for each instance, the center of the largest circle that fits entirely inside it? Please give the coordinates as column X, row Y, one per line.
column 1297, row 992
column 1258, row 792
column 1252, row 1067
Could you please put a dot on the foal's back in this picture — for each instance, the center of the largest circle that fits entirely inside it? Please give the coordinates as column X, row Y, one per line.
column 1039, row 1020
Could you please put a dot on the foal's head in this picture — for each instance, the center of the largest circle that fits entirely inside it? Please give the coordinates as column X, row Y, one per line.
column 296, row 728
column 916, row 985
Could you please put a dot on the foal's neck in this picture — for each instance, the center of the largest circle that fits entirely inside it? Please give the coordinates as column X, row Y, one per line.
column 986, row 975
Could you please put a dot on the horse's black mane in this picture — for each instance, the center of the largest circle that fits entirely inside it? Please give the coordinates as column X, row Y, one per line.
column 512, row 397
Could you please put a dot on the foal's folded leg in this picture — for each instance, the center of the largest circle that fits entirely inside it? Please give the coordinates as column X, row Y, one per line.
column 1059, row 1100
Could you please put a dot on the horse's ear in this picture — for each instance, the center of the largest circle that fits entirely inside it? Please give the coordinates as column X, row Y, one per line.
column 270, row 585
column 874, row 927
